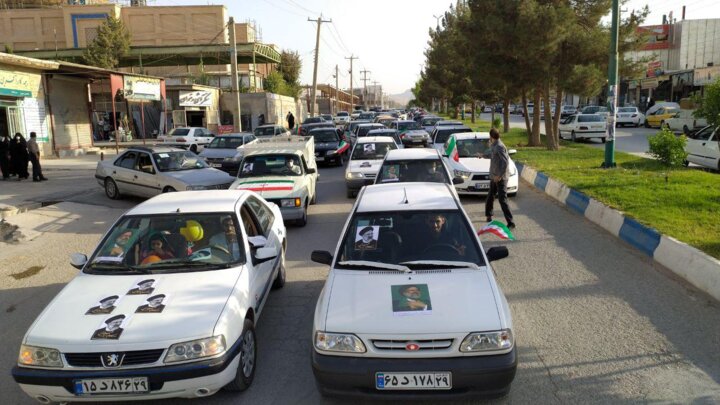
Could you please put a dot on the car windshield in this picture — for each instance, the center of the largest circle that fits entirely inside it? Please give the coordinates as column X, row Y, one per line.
column 472, row 147
column 177, row 161
column 325, row 136
column 363, row 130
column 342, row 114
column 366, row 116
column 226, row 142
column 428, row 122
column 371, row 150
column 590, row 118
column 590, row 110
column 408, row 126
column 179, row 131
column 403, row 237
column 443, row 134
column 270, row 165
column 175, row 242
column 426, row 170
column 626, row 109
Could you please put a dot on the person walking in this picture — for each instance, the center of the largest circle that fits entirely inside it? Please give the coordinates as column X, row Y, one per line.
column 5, row 156
column 19, row 156
column 290, row 120
column 499, row 162
column 34, row 155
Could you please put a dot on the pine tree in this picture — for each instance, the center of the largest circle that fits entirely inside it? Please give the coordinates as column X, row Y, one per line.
column 111, row 43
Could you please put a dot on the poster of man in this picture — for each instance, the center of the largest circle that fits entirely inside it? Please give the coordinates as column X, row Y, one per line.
column 369, row 148
column 143, row 287
column 366, row 238
column 111, row 328
column 154, row 304
column 409, row 299
column 247, row 168
column 104, row 306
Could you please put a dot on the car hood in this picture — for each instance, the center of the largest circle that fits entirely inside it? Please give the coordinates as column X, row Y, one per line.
column 364, row 165
column 323, row 146
column 475, row 165
column 216, row 153
column 193, row 298
column 201, row 177
column 461, row 301
column 269, row 187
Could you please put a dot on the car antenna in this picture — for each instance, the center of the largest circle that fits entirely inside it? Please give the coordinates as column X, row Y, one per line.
column 405, row 199
column 178, row 210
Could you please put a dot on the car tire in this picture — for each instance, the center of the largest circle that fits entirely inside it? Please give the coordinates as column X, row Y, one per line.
column 282, row 274
column 111, row 189
column 169, row 189
column 647, row 124
column 686, row 163
column 663, row 125
column 248, row 354
column 303, row 221
column 573, row 137
column 193, row 148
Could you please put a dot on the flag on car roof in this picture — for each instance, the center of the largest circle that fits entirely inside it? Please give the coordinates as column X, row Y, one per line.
column 451, row 150
column 497, row 228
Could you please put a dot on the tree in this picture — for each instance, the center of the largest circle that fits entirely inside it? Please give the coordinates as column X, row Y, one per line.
column 710, row 104
column 275, row 83
column 290, row 67
column 111, row 43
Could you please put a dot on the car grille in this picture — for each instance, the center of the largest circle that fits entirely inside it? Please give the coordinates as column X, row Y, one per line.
column 370, row 175
column 131, row 358
column 214, row 160
column 481, row 177
column 433, row 344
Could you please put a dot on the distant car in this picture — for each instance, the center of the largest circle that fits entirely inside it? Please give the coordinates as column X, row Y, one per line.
column 328, row 117
column 148, row 171
column 365, row 161
column 305, row 128
column 598, row 110
column 392, row 133
column 191, row 138
column 222, row 152
column 684, row 121
column 487, row 109
column 329, row 148
column 657, row 118
column 366, row 116
column 350, row 129
column 584, row 126
column 355, row 114
column 661, row 104
column 342, row 118
column 567, row 110
column 270, row 130
column 385, row 120
column 313, row 120
column 703, row 148
column 413, row 165
column 411, row 133
column 363, row 129
column 428, row 123
column 629, row 116
column 447, row 123
column 441, row 134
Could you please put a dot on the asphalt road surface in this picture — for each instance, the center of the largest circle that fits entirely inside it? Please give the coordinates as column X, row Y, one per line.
column 595, row 321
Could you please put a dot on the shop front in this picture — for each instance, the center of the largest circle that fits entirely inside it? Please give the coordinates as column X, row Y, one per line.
column 194, row 106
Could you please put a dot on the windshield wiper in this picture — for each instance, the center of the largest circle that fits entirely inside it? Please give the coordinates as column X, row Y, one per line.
column 375, row 265
column 116, row 267
column 439, row 264
column 196, row 263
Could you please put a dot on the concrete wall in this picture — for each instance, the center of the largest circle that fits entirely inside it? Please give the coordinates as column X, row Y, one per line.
column 274, row 106
column 700, row 43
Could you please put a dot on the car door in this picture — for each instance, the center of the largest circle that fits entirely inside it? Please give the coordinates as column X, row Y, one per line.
column 258, row 221
column 695, row 145
column 123, row 171
column 711, row 150
column 145, row 178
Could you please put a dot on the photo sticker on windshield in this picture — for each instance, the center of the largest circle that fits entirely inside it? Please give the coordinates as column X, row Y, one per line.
column 247, row 168
column 366, row 238
column 163, row 155
column 391, row 173
column 154, row 304
column 111, row 328
column 142, row 287
column 369, row 148
column 411, row 299
column 104, row 305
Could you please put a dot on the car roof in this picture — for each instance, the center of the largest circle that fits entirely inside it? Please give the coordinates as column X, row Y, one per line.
column 370, row 139
column 472, row 135
column 235, row 135
column 156, row 149
column 381, row 130
column 267, row 126
column 376, row 124
column 406, row 197
column 323, row 129
column 413, row 154
column 190, row 201
column 445, row 122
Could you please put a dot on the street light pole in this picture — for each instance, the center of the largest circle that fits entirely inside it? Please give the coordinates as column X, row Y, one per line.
column 612, row 86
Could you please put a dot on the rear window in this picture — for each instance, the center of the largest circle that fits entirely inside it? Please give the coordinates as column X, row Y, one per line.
column 590, row 118
column 428, row 170
column 426, row 122
column 179, row 132
column 362, row 131
column 324, row 136
column 408, row 126
column 313, row 120
column 267, row 131
column 626, row 109
column 590, row 110
column 441, row 135
column 343, row 114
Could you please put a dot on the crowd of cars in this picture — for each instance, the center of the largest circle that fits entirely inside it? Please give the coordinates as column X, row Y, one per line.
column 166, row 305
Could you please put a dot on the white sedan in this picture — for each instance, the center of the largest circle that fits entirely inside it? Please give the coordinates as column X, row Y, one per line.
column 703, row 148
column 629, row 116
column 584, row 126
column 165, row 307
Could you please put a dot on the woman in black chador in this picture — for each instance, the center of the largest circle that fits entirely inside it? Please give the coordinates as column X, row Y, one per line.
column 19, row 156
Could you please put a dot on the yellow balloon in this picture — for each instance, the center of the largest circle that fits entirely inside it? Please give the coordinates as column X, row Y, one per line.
column 192, row 231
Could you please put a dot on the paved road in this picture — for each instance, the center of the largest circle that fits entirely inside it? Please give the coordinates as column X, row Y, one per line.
column 595, row 321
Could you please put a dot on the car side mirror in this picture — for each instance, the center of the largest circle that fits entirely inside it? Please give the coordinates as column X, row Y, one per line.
column 78, row 260
column 311, row 170
column 264, row 254
column 497, row 253
column 321, row 256
column 257, row 242
column 512, row 151
column 457, row 180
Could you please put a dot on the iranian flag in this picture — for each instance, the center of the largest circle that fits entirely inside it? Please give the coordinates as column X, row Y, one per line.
column 451, row 150
column 342, row 147
column 497, row 228
column 266, row 185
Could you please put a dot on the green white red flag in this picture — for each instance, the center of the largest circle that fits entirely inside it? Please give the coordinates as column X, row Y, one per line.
column 342, row 147
column 497, row 228
column 451, row 150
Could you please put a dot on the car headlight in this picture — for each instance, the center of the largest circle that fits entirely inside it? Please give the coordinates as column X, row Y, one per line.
column 460, row 173
column 331, row 152
column 338, row 342
column 196, row 349
column 487, row 341
column 353, row 175
column 513, row 171
column 39, row 356
column 196, row 188
column 291, row 202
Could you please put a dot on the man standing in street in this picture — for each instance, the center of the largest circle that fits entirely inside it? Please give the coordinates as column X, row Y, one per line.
column 290, row 120
column 34, row 156
column 499, row 162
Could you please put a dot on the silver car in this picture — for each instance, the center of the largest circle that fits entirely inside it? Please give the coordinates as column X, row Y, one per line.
column 148, row 171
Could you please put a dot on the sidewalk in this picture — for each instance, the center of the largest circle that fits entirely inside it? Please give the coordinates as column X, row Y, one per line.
column 67, row 177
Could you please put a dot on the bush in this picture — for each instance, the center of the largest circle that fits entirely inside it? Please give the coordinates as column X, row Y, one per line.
column 668, row 148
column 497, row 122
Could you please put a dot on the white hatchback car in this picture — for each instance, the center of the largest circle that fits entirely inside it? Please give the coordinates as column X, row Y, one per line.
column 411, row 306
column 703, row 148
column 165, row 307
column 365, row 161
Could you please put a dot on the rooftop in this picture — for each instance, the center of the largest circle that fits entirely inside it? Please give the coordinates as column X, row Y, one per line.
column 375, row 139
column 407, row 197
column 412, row 154
column 190, row 201
column 472, row 135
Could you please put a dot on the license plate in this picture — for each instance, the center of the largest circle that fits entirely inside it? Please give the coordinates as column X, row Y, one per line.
column 320, row 158
column 215, row 164
column 111, row 386
column 413, row 381
column 482, row 186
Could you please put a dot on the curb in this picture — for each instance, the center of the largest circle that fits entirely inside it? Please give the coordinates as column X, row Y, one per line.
column 696, row 267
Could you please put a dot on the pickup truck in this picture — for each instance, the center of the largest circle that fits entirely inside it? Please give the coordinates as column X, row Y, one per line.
column 193, row 138
column 282, row 170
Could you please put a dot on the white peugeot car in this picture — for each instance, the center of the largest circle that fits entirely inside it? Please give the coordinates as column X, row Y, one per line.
column 411, row 307
column 584, row 126
column 165, row 307
column 629, row 116
column 471, row 165
column 703, row 148
column 365, row 161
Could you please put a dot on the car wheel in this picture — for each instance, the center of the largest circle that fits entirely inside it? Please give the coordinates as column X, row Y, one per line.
column 111, row 189
column 303, row 221
column 248, row 355
column 686, row 163
column 647, row 124
column 686, row 130
column 282, row 274
column 169, row 189
column 314, row 199
column 573, row 137
column 193, row 148
column 663, row 125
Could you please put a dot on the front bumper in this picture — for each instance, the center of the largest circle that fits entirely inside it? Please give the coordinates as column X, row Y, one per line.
column 357, row 184
column 624, row 121
column 322, row 157
column 472, row 376
column 292, row 213
column 469, row 187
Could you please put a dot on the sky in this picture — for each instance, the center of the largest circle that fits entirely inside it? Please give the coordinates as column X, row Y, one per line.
column 388, row 36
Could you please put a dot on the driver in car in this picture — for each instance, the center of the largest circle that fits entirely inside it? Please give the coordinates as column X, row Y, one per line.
column 290, row 167
column 227, row 240
column 434, row 174
column 437, row 234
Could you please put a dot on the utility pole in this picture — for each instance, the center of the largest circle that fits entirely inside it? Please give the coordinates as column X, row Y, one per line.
column 375, row 93
column 337, row 89
column 612, row 86
column 365, row 79
column 352, row 94
column 319, row 22
column 237, row 121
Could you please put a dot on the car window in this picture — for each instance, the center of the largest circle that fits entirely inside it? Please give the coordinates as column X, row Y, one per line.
column 363, row 130
column 590, row 118
column 271, row 165
column 441, row 135
column 248, row 138
column 407, row 126
column 426, row 170
column 264, row 131
column 399, row 237
column 325, row 136
column 372, row 150
column 127, row 160
column 144, row 163
column 226, row 142
column 178, row 161
column 179, row 131
column 262, row 213
column 569, row 120
column 472, row 147
column 703, row 134
column 426, row 122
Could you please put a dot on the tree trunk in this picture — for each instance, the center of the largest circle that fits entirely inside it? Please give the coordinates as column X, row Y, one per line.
column 549, row 139
column 525, row 115
column 506, row 115
column 492, row 116
column 535, row 137
column 474, row 107
column 558, row 114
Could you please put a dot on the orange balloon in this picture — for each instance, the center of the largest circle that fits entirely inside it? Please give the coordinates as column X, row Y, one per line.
column 151, row 259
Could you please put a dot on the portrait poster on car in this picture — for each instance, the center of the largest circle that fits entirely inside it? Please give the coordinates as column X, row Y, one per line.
column 369, row 148
column 411, row 299
column 153, row 305
column 143, row 286
column 391, row 173
column 104, row 305
column 366, row 238
column 111, row 328
column 247, row 168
